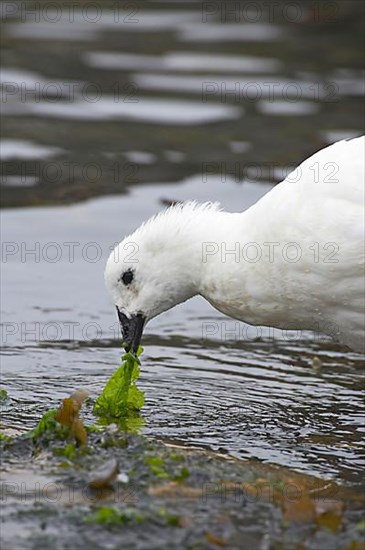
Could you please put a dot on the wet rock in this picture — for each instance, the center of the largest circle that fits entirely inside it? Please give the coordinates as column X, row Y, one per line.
column 104, row 476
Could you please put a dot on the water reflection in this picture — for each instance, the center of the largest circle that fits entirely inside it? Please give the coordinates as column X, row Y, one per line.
column 253, row 400
column 92, row 84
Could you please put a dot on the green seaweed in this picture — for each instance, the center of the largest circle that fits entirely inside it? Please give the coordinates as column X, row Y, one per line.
column 184, row 474
column 3, row 395
column 361, row 525
column 48, row 426
column 121, row 396
column 157, row 466
column 171, row 519
column 109, row 515
column 69, row 451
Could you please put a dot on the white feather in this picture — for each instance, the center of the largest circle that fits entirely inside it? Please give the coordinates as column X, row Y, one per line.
column 316, row 213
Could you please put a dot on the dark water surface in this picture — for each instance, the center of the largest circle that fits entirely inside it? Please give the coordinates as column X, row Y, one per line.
column 158, row 91
column 208, row 380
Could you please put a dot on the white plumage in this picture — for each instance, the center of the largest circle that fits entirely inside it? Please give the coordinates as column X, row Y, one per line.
column 294, row 260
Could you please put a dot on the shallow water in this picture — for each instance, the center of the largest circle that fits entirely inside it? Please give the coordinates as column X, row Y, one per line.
column 209, row 381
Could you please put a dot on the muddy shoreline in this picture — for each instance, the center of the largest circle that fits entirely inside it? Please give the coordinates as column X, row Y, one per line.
column 166, row 496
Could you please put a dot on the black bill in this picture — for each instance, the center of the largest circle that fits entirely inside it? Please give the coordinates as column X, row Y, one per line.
column 132, row 329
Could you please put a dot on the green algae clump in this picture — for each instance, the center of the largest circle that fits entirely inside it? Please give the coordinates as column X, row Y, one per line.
column 121, row 396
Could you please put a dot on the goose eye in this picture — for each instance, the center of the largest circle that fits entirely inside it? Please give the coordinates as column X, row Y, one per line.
column 127, row 277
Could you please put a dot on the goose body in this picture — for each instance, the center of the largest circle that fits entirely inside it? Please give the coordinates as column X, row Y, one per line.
column 293, row 260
